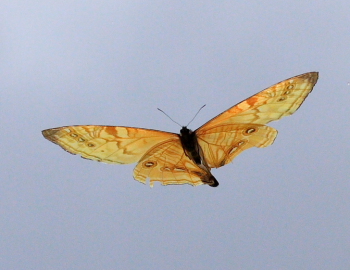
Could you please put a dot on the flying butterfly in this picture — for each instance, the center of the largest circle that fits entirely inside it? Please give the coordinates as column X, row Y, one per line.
column 188, row 157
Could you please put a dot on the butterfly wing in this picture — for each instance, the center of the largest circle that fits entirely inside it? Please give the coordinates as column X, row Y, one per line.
column 168, row 164
column 109, row 144
column 222, row 143
column 243, row 125
column 160, row 154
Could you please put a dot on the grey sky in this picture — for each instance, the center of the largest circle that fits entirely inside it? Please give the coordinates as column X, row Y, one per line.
column 113, row 63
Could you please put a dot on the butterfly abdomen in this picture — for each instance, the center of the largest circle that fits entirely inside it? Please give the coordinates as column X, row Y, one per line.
column 192, row 150
column 212, row 181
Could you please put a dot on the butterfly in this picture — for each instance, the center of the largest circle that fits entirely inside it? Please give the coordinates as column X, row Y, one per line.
column 188, row 157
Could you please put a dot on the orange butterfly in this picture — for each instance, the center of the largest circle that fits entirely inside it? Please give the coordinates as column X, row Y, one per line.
column 187, row 158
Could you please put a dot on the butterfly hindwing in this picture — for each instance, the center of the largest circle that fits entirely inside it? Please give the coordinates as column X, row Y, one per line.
column 167, row 163
column 221, row 144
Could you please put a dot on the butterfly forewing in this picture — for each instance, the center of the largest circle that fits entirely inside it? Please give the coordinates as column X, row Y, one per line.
column 109, row 144
column 273, row 103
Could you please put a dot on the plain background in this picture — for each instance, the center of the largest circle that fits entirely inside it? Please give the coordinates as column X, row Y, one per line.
column 113, row 63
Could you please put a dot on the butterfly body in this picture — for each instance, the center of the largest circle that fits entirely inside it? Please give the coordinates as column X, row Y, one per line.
column 188, row 157
column 194, row 152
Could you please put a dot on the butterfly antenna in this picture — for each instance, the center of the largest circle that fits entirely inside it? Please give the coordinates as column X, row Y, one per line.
column 169, row 117
column 196, row 115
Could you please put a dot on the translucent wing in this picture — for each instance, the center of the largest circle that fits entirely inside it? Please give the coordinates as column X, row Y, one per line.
column 273, row 103
column 167, row 163
column 242, row 126
column 221, row 144
column 116, row 145
column 160, row 154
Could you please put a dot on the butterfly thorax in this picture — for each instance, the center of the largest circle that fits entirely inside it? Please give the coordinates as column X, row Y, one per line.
column 190, row 144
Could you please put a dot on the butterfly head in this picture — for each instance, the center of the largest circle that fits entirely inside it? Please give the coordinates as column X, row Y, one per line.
column 185, row 132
